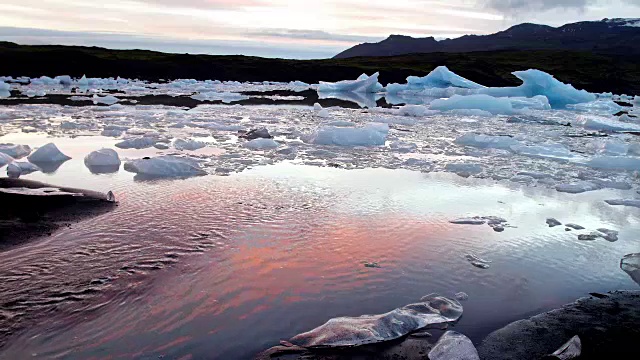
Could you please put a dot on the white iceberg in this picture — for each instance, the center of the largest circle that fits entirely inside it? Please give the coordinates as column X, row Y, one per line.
column 165, row 166
column 136, row 143
column 102, row 157
column 107, row 100
column 18, row 168
column 48, row 153
column 440, row 77
column 261, row 144
column 14, row 150
column 191, row 145
column 372, row 134
column 494, row 105
column 364, row 84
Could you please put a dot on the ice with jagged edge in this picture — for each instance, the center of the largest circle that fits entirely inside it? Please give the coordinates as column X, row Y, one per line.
column 364, row 84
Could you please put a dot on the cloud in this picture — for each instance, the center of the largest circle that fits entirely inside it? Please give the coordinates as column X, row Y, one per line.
column 311, row 35
column 512, row 7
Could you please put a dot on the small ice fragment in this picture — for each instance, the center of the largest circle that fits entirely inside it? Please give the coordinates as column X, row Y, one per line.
column 261, row 144
column 577, row 188
column 107, row 100
column 161, row 146
column 165, row 166
column 453, row 346
column 469, row 221
column 413, row 110
column 572, row 349
column 18, row 168
column 624, row 202
column 472, row 257
column 136, row 143
column 369, row 329
column 102, row 157
column 372, row 265
column 462, row 296
column 191, row 145
column 480, row 265
column 553, row 222
column 631, row 265
column 48, row 153
column 574, row 226
column 609, row 235
column 14, row 150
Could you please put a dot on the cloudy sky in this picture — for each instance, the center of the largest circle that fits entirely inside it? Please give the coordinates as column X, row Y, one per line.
column 278, row 28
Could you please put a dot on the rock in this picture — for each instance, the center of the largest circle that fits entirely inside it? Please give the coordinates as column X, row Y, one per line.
column 454, row 346
column 368, row 329
column 574, row 226
column 553, row 222
column 372, row 265
column 609, row 235
column 631, row 265
column 261, row 133
column 469, row 221
column 571, row 350
column 588, row 237
column 608, row 329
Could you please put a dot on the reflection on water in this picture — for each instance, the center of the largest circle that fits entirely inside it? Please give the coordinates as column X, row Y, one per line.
column 363, row 100
column 223, row 267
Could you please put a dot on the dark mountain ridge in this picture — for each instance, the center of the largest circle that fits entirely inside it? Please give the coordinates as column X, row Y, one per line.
column 610, row 36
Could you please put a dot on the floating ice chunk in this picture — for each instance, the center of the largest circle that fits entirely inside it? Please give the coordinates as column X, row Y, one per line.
column 48, row 153
column 478, row 262
column 102, row 157
column 536, row 82
column 136, row 143
column 609, row 125
column 372, row 134
column 4, row 87
column 604, row 107
column 107, row 100
column 538, row 102
column 574, row 226
column 611, row 147
column 364, row 84
column 342, row 123
column 471, row 112
column 535, row 175
column 572, row 349
column 225, row 97
column 261, row 144
column 368, row 329
column 453, row 346
column 612, row 184
column 15, row 151
column 111, row 133
column 486, row 141
column 64, row 79
column 440, row 77
column 487, row 103
column 414, row 110
column 257, row 133
column 609, row 235
column 546, row 151
column 407, row 121
column 165, row 166
column 192, row 145
column 464, row 169
column 161, row 146
column 461, row 296
column 18, row 168
column 624, row 202
column 631, row 265
column 577, row 188
column 5, row 159
column 628, row 163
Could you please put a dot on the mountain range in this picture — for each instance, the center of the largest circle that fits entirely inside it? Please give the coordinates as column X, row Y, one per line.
column 610, row 36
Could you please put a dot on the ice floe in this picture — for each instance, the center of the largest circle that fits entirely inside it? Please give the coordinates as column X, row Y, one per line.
column 364, row 84
column 5, row 159
column 106, row 100
column 165, row 166
column 354, row 331
column 181, row 144
column 18, row 168
column 48, row 153
column 261, row 144
column 15, row 151
column 136, row 143
column 372, row 134
column 624, row 202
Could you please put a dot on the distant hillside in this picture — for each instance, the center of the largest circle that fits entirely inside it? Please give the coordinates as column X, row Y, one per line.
column 613, row 36
column 585, row 70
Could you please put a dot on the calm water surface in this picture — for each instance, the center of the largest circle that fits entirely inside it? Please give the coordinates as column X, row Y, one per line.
column 224, row 267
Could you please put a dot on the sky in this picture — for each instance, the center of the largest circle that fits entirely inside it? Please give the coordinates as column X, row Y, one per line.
column 300, row 29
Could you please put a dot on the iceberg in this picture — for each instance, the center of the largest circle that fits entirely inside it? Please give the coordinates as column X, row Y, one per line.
column 48, row 153
column 64, row 80
column 453, row 346
column 372, row 134
column 165, row 166
column 18, row 168
column 136, row 143
column 5, row 159
column 192, row 145
column 494, row 105
column 536, row 82
column 440, row 77
column 261, row 144
column 368, row 329
column 364, row 84
column 102, row 157
column 106, row 100
column 15, row 151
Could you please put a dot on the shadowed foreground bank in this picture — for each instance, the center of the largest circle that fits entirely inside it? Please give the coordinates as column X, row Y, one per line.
column 593, row 72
